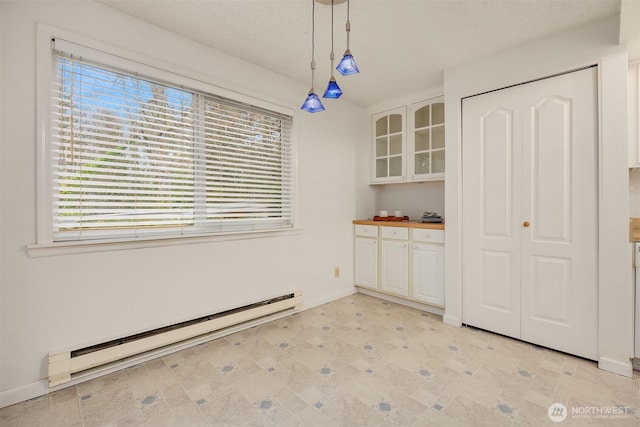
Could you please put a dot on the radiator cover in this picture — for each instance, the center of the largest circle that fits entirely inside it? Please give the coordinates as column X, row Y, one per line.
column 64, row 364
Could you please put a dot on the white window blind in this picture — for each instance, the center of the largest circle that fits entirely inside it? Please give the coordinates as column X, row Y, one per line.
column 134, row 156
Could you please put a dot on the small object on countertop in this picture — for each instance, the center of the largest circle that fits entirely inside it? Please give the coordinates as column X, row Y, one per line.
column 428, row 214
column 383, row 213
column 391, row 218
column 431, row 217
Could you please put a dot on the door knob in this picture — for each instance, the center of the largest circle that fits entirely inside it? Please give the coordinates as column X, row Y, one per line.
column 525, row 224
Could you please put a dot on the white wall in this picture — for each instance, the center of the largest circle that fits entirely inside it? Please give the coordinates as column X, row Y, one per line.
column 2, row 41
column 592, row 44
column 55, row 302
column 412, row 199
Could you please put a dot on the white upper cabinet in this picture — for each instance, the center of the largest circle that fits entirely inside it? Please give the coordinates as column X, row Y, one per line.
column 426, row 140
column 634, row 114
column 408, row 143
column 389, row 145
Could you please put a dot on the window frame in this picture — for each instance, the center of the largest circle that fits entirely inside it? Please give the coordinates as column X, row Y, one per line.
column 119, row 58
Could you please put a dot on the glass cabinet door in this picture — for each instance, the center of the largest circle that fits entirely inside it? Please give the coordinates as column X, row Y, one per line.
column 389, row 145
column 427, row 140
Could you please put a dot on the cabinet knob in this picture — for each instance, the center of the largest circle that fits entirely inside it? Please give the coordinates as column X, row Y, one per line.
column 525, row 224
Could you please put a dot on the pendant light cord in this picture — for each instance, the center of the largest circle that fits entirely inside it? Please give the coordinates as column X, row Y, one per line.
column 348, row 24
column 313, row 41
column 332, row 56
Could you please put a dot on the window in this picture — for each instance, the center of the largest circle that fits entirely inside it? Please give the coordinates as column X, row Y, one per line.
column 133, row 156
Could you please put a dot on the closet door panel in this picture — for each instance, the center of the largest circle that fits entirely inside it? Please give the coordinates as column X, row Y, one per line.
column 529, row 189
column 491, row 242
column 559, row 248
column 550, row 168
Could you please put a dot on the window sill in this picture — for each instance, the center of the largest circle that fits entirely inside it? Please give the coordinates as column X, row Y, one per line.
column 89, row 246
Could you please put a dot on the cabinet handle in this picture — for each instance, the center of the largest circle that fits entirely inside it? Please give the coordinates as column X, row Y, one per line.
column 525, row 224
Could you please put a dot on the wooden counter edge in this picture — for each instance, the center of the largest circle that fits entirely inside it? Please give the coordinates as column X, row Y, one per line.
column 634, row 229
column 406, row 224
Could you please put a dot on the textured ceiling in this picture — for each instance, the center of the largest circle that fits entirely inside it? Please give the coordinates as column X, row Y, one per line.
column 401, row 46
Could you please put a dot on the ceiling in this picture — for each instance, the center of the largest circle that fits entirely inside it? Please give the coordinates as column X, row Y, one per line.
column 400, row 46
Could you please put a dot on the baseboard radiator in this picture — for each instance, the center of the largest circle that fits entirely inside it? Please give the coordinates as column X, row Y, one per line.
column 63, row 365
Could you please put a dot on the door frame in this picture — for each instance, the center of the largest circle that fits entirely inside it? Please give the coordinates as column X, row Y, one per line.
column 584, row 46
column 499, row 319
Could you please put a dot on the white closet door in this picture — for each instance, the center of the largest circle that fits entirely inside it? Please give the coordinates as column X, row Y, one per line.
column 491, row 200
column 559, row 200
column 530, row 212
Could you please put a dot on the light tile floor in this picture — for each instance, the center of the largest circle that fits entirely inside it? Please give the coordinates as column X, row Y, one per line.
column 358, row 361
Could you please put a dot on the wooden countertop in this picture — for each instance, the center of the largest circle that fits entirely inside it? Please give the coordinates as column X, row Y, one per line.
column 634, row 229
column 407, row 224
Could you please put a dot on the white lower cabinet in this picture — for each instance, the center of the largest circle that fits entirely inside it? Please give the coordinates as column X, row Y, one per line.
column 410, row 262
column 366, row 262
column 366, row 256
column 427, row 265
column 394, row 258
column 427, row 273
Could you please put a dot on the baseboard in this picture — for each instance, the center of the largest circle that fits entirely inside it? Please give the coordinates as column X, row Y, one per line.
column 25, row 392
column 40, row 388
column 620, row 367
column 306, row 304
column 413, row 304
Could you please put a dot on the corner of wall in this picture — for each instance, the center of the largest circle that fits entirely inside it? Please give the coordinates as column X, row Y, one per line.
column 617, row 366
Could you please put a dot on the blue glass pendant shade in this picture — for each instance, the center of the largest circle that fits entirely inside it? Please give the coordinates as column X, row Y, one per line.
column 312, row 104
column 333, row 90
column 347, row 65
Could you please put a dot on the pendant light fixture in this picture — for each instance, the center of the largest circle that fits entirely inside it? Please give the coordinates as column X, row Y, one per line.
column 347, row 65
column 312, row 104
column 333, row 90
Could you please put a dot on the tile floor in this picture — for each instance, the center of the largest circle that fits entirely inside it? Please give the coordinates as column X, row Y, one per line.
column 358, row 361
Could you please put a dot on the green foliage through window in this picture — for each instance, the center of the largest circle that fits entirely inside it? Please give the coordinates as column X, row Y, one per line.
column 131, row 156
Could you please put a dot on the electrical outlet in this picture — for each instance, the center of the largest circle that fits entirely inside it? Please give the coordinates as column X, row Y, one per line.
column 336, row 272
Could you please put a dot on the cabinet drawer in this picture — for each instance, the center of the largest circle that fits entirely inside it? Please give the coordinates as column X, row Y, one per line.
column 366, row 230
column 400, row 233
column 428, row 235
